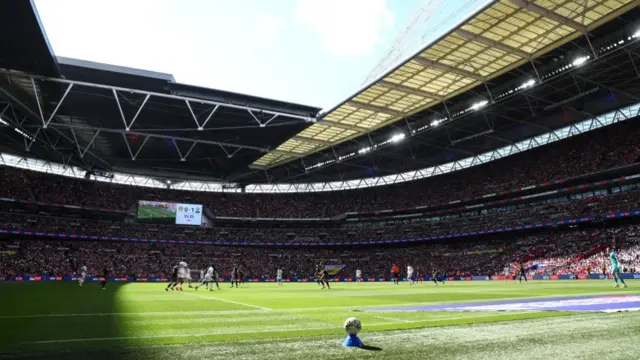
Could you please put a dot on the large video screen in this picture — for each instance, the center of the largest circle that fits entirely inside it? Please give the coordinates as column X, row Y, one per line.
column 176, row 213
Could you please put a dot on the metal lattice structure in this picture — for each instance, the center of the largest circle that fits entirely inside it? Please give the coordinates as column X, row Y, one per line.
column 627, row 113
column 500, row 37
column 142, row 128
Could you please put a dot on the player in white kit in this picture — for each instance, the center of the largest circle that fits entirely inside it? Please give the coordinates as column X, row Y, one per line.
column 188, row 277
column 279, row 277
column 410, row 274
column 182, row 274
column 358, row 275
column 83, row 274
column 507, row 272
column 207, row 279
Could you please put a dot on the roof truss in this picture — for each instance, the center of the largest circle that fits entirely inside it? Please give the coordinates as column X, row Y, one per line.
column 498, row 38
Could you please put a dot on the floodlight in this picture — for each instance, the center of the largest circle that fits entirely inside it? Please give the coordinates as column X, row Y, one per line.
column 397, row 138
column 579, row 61
column 528, row 83
column 23, row 134
column 479, row 104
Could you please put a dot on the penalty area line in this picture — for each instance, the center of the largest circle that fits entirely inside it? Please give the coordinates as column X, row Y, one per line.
column 227, row 301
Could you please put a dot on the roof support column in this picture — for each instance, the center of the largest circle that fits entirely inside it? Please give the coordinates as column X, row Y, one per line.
column 195, row 118
column 133, row 157
column 66, row 92
column 127, row 127
column 633, row 62
column 80, row 151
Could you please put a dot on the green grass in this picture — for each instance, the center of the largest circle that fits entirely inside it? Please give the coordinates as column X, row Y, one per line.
column 261, row 321
column 152, row 212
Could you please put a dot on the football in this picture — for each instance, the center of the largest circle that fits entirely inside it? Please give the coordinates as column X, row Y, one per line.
column 352, row 326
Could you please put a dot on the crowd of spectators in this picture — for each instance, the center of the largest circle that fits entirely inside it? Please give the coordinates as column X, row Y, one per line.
column 598, row 150
column 586, row 253
column 455, row 223
column 475, row 257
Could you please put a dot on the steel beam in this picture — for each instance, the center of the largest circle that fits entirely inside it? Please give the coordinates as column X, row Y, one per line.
column 124, row 119
column 287, row 153
column 374, row 108
column 4, row 110
column 347, row 163
column 33, row 115
column 523, row 4
column 262, row 124
column 311, row 141
column 492, row 43
column 55, row 111
column 184, row 157
column 195, row 118
column 155, row 94
column 134, row 156
column 35, row 94
column 230, row 155
column 434, row 64
column 633, row 63
column 159, row 136
column 75, row 138
column 409, row 90
column 33, row 139
column 341, row 126
column 625, row 93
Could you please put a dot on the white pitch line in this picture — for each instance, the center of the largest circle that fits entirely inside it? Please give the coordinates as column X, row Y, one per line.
column 227, row 301
column 392, row 319
column 237, row 332
column 152, row 313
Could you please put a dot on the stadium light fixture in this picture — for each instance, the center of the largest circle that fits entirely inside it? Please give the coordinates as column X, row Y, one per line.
column 23, row 134
column 3, row 122
column 479, row 105
column 364, row 150
column 579, row 61
column 169, row 182
column 636, row 34
column 435, row 123
column 397, row 138
column 342, row 157
column 529, row 83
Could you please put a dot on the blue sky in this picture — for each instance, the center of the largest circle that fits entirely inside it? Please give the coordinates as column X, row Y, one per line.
column 314, row 52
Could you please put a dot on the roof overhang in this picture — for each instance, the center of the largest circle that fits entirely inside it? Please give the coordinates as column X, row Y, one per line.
column 496, row 39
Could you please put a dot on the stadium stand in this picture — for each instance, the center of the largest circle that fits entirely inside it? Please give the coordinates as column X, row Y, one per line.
column 556, row 252
column 457, row 222
column 609, row 147
column 551, row 253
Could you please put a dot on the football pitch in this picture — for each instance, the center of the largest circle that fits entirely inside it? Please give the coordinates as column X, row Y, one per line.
column 153, row 212
column 59, row 320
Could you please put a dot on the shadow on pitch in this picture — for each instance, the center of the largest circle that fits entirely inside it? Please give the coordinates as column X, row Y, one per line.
column 371, row 348
column 54, row 319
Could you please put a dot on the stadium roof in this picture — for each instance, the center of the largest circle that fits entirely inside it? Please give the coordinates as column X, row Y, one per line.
column 499, row 37
column 114, row 118
column 143, row 128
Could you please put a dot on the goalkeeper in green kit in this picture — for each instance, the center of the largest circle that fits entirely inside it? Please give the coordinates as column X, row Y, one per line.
column 615, row 267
